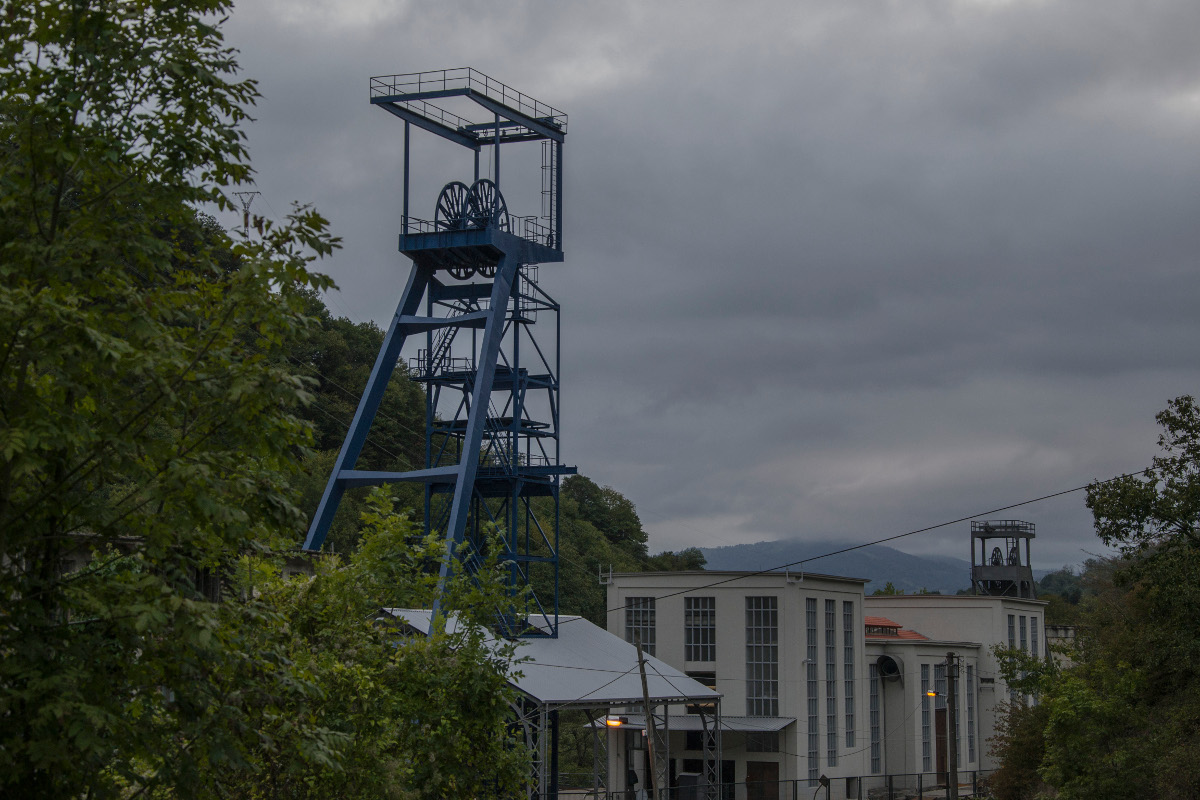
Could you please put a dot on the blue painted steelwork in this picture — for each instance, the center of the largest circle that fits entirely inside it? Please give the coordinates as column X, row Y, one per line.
column 492, row 387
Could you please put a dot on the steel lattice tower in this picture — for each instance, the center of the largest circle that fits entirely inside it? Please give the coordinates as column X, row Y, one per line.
column 471, row 303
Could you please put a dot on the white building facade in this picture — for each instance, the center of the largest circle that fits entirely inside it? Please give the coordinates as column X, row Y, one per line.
column 818, row 679
column 784, row 650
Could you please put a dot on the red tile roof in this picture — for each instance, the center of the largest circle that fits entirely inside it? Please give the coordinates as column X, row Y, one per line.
column 881, row 622
column 906, row 634
column 884, row 622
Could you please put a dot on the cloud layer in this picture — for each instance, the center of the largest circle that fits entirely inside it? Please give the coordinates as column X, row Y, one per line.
column 834, row 270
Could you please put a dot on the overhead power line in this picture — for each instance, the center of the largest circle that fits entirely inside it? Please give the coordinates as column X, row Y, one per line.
column 885, row 539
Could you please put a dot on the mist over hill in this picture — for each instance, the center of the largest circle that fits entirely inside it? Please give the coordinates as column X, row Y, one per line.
column 878, row 563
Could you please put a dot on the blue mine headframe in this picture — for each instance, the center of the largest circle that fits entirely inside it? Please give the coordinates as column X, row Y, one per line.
column 492, row 388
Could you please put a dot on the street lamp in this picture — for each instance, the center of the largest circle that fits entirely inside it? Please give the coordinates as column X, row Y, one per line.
column 951, row 724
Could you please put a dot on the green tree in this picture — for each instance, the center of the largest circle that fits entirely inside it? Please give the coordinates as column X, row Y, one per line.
column 1062, row 582
column 1123, row 719
column 1019, row 747
column 1152, row 520
column 609, row 511
column 888, row 589
column 689, row 558
column 405, row 716
column 138, row 420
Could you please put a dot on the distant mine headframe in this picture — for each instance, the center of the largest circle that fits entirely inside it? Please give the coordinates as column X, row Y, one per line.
column 998, row 567
column 471, row 303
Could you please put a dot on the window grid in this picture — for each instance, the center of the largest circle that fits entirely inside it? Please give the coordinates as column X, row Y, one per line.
column 1024, row 640
column 939, row 686
column 762, row 657
column 700, row 628
column 1033, row 636
column 970, row 713
column 1012, row 643
column 639, row 622
column 926, row 759
column 956, row 677
column 814, row 736
column 831, row 706
column 876, row 760
column 762, row 742
column 848, row 667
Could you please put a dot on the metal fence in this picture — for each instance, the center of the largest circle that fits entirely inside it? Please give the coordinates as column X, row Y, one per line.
column 972, row 785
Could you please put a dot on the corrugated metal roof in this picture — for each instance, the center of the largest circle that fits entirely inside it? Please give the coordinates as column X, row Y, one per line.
column 585, row 665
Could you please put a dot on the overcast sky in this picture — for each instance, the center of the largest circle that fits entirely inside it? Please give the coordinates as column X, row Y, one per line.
column 835, row 270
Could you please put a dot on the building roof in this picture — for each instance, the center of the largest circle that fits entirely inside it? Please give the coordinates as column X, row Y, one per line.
column 585, row 666
column 724, row 576
column 692, row 722
column 948, row 599
column 882, row 622
column 884, row 628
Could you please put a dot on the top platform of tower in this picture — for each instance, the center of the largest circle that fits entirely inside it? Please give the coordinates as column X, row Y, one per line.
column 1003, row 528
column 508, row 115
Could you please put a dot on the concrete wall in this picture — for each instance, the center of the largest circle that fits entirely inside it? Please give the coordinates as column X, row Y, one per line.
column 979, row 619
column 792, row 594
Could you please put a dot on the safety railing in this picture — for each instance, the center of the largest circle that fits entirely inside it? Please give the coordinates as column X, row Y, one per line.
column 533, row 230
column 528, row 228
column 466, row 78
column 972, row 785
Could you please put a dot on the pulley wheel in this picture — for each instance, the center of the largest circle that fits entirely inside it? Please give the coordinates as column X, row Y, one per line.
column 487, row 206
column 453, row 210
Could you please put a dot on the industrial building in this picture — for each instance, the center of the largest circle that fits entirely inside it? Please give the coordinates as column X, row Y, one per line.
column 825, row 680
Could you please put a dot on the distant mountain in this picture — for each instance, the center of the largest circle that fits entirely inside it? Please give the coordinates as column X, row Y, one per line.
column 878, row 563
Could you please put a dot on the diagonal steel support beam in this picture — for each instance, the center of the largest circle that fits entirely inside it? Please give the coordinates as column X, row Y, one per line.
column 481, row 393
column 356, row 437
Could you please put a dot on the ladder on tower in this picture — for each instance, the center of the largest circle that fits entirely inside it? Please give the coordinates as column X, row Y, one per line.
column 550, row 187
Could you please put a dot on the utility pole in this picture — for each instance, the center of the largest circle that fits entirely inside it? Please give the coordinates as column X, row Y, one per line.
column 651, row 733
column 952, row 725
column 247, row 198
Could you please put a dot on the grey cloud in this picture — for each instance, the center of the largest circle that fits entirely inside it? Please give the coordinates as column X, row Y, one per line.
column 833, row 269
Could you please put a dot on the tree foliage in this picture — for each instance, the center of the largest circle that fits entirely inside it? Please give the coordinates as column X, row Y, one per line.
column 609, row 512
column 1123, row 719
column 152, row 424
column 402, row 716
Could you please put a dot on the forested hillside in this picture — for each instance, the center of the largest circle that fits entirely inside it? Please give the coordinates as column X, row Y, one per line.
column 599, row 528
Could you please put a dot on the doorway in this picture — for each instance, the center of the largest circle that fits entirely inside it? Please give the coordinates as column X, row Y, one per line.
column 762, row 780
column 939, row 721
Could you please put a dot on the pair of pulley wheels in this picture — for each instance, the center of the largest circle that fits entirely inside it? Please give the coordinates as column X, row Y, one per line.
column 460, row 208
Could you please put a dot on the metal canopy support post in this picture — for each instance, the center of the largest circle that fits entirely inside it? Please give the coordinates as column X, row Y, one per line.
column 599, row 752
column 711, row 722
column 533, row 719
column 661, row 733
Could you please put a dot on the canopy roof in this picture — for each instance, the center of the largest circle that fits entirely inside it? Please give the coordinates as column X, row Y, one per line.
column 692, row 722
column 585, row 666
